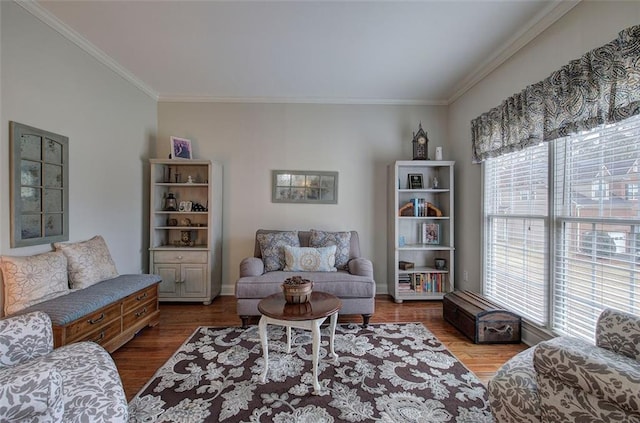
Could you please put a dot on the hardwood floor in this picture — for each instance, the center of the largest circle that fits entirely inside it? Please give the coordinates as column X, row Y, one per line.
column 139, row 359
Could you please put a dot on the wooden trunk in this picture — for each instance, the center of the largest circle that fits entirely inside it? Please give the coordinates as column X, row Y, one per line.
column 479, row 319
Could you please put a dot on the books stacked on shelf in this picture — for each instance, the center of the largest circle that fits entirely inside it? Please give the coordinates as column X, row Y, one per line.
column 419, row 209
column 404, row 283
column 428, row 282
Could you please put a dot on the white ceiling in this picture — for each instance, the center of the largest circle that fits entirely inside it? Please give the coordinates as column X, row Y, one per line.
column 397, row 52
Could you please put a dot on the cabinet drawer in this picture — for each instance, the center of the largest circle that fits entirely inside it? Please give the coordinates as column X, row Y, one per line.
column 180, row 256
column 104, row 334
column 140, row 297
column 139, row 313
column 93, row 321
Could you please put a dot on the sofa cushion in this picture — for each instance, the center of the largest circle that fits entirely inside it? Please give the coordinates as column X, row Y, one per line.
column 33, row 279
column 340, row 283
column 92, row 387
column 89, row 261
column 308, row 259
column 272, row 248
column 342, row 241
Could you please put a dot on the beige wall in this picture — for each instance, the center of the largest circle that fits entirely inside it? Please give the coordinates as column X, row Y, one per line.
column 50, row 83
column 589, row 25
column 251, row 140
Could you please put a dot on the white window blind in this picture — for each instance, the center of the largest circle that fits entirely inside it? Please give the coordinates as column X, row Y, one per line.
column 515, row 232
column 597, row 237
column 579, row 253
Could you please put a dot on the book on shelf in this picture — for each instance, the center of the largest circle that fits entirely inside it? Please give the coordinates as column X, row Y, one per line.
column 427, row 282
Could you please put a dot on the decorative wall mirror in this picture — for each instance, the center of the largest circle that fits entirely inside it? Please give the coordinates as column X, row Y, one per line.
column 39, row 186
column 297, row 186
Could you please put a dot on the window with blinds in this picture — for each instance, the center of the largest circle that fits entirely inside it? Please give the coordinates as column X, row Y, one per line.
column 516, row 226
column 597, row 233
column 559, row 263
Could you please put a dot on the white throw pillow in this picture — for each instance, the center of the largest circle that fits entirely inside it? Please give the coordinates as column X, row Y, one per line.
column 308, row 259
column 30, row 280
column 89, row 262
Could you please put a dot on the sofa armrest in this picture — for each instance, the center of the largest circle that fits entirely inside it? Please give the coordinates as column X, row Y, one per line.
column 361, row 267
column 25, row 337
column 596, row 371
column 251, row 266
column 30, row 394
column 619, row 332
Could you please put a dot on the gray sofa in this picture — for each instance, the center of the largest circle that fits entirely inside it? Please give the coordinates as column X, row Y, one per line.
column 74, row 383
column 355, row 285
column 566, row 379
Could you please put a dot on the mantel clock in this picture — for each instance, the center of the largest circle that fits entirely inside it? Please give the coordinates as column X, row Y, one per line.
column 420, row 144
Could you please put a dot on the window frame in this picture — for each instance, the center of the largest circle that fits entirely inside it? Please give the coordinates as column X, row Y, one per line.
column 23, row 212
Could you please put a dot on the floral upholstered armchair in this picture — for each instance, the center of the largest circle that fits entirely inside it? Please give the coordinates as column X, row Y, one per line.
column 75, row 383
column 568, row 380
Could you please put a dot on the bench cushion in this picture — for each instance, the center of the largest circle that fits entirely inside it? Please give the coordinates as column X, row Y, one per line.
column 68, row 308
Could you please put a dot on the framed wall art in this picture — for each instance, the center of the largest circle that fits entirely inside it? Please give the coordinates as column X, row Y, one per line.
column 39, row 186
column 181, row 148
column 299, row 186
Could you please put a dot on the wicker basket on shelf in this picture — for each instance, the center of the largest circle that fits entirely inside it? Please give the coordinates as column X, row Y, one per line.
column 297, row 290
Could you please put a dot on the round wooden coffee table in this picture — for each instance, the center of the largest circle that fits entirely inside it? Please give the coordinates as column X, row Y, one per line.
column 276, row 311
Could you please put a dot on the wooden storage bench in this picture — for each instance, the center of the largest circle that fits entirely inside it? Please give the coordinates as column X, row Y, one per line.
column 108, row 313
column 481, row 320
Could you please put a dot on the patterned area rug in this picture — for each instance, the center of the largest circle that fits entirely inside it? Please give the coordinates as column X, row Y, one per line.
column 389, row 373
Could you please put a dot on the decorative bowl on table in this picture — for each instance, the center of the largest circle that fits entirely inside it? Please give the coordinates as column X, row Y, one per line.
column 297, row 290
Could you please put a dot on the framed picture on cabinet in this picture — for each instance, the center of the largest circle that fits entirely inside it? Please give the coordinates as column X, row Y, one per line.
column 181, row 148
column 414, row 181
column 431, row 233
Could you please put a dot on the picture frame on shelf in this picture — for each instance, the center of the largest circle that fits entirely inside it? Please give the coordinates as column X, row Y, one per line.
column 414, row 181
column 431, row 233
column 181, row 148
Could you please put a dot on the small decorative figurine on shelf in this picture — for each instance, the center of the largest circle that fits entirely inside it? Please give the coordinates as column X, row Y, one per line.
column 435, row 183
column 189, row 179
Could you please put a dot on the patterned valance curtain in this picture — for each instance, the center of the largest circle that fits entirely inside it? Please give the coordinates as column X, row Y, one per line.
column 601, row 87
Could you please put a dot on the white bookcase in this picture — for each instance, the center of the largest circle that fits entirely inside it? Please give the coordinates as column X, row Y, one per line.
column 406, row 233
column 185, row 243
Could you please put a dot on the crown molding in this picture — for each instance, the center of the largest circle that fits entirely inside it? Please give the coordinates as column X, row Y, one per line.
column 535, row 26
column 70, row 34
column 543, row 20
column 310, row 100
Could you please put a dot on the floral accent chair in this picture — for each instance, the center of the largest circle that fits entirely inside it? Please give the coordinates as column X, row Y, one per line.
column 75, row 383
column 568, row 380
